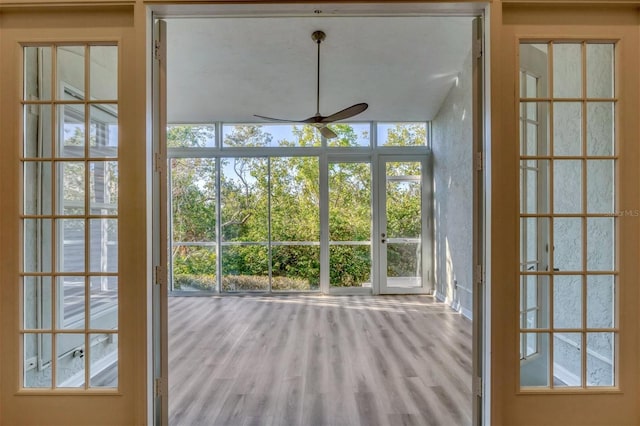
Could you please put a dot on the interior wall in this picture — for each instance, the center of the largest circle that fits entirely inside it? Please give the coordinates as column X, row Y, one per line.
column 452, row 135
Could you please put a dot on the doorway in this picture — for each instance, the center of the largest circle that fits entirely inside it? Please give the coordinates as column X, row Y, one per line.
column 245, row 159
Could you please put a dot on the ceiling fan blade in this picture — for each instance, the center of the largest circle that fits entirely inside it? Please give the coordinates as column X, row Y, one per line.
column 280, row 120
column 346, row 113
column 327, row 132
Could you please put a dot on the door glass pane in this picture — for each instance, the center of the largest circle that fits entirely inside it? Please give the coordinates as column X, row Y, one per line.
column 534, row 368
column 404, row 224
column 71, row 297
column 567, row 295
column 72, row 248
column 103, row 237
column 534, row 58
column 534, row 128
column 37, row 131
column 600, row 128
column 71, row 174
column 567, row 128
column 567, row 254
column 71, row 358
column 567, row 359
column 103, row 187
column 79, row 197
column 534, row 301
column 103, row 299
column 103, row 130
column 600, row 186
column 37, row 360
column 601, row 301
column 37, row 245
column 103, row 72
column 600, row 61
column 582, row 238
column 600, row 359
column 70, row 72
column 71, row 135
column 37, row 188
column 36, row 296
column 103, row 371
column 567, row 70
column 567, row 186
column 600, row 244
column 350, row 224
column 37, row 67
column 534, row 251
column 534, row 186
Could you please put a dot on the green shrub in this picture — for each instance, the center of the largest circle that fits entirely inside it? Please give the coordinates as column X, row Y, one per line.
column 238, row 283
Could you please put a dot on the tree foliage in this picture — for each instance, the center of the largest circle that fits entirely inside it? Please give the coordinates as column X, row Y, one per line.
column 279, row 196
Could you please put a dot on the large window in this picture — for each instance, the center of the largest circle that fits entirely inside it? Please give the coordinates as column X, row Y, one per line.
column 246, row 210
column 70, row 217
column 568, row 271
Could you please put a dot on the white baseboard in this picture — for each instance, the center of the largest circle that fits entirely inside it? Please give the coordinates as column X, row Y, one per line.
column 440, row 297
column 455, row 305
column 466, row 313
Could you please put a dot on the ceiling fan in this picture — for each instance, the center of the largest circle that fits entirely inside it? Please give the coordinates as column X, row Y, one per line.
column 320, row 121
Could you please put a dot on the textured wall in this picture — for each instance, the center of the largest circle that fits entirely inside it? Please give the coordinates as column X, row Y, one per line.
column 452, row 136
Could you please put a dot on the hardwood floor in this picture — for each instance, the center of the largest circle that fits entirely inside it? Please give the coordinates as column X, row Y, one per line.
column 318, row 360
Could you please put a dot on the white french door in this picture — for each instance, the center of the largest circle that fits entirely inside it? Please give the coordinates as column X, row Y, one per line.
column 403, row 225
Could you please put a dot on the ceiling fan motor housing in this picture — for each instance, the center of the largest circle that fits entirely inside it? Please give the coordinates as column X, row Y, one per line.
column 318, row 36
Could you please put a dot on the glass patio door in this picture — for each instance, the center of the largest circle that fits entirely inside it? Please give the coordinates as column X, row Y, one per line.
column 402, row 228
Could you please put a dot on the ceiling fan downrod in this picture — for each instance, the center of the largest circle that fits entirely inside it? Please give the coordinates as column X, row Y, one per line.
column 318, row 37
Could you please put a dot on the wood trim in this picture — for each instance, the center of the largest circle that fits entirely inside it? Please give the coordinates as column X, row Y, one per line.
column 128, row 405
column 69, row 7
column 508, row 406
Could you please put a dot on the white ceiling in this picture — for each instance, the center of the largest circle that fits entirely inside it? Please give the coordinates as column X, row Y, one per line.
column 227, row 69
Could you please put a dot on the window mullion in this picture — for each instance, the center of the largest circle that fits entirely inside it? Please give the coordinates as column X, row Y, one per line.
column 269, row 237
column 218, row 228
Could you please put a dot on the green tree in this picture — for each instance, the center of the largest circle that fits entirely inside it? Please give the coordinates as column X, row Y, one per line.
column 286, row 190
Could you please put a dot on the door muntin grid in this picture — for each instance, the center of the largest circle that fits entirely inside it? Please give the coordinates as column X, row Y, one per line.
column 69, row 289
column 568, row 273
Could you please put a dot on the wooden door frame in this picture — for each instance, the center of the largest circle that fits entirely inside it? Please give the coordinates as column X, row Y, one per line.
column 527, row 22
column 126, row 405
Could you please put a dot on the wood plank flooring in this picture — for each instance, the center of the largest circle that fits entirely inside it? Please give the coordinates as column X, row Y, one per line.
column 318, row 360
